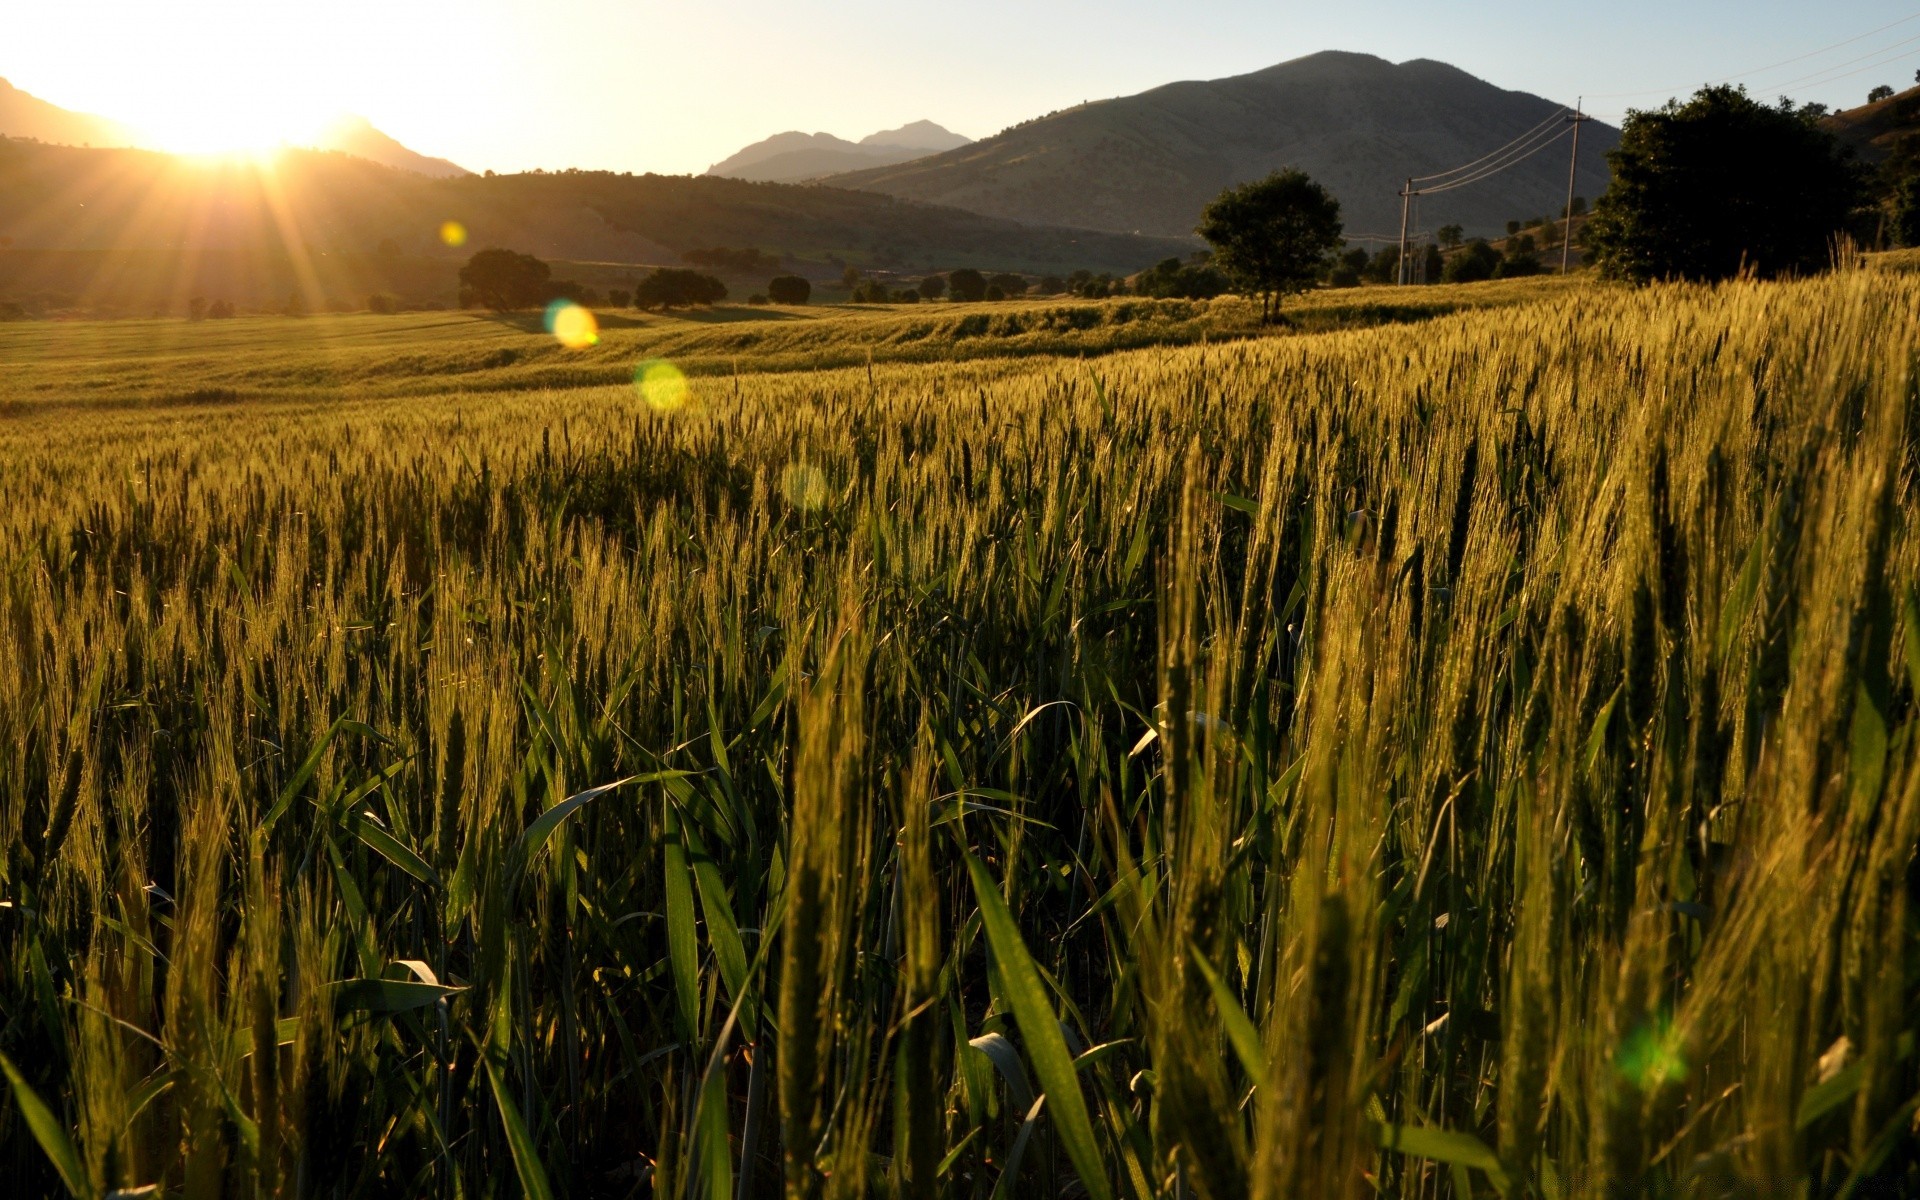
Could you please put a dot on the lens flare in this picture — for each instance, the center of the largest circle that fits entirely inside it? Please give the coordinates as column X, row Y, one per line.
column 661, row 385
column 1653, row 1055
column 804, row 485
column 453, row 233
column 571, row 325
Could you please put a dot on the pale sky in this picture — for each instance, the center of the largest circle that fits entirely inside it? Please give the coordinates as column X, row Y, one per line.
column 675, row 85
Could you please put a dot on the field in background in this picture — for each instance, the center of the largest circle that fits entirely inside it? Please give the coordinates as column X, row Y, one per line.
column 1442, row 758
column 173, row 361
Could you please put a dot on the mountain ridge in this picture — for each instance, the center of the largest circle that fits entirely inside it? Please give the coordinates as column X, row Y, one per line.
column 24, row 115
column 1358, row 123
column 794, row 156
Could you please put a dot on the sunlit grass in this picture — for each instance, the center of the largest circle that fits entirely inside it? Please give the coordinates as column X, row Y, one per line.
column 1463, row 756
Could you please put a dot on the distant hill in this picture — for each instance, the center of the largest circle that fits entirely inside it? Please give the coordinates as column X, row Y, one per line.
column 23, row 115
column 791, row 157
column 132, row 228
column 1359, row 124
column 1876, row 130
column 358, row 137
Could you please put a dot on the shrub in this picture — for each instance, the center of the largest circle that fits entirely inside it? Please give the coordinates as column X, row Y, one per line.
column 1687, row 203
column 1473, row 264
column 504, row 280
column 789, row 289
column 933, row 287
column 677, row 287
column 382, row 302
column 967, row 284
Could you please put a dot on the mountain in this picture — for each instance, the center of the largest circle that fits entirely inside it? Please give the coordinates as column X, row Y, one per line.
column 1357, row 123
column 924, row 136
column 27, row 116
column 139, row 230
column 792, row 157
column 23, row 115
column 358, row 137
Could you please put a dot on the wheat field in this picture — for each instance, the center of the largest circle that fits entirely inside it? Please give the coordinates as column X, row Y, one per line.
column 1460, row 758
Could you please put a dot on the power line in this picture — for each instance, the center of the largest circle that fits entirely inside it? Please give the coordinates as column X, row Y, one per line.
column 1497, row 168
column 1557, row 114
column 1763, row 70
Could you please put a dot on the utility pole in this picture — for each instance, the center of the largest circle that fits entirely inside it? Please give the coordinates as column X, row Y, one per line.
column 1573, row 166
column 1406, row 203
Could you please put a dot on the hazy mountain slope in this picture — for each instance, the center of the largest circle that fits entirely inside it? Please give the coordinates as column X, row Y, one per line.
column 99, row 210
column 1359, row 124
column 920, row 135
column 357, row 136
column 791, row 157
column 23, row 115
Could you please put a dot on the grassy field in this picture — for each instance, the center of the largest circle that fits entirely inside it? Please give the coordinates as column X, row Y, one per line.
column 1457, row 754
column 173, row 361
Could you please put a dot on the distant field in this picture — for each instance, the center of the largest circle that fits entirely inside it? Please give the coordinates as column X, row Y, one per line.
column 173, row 361
column 1464, row 746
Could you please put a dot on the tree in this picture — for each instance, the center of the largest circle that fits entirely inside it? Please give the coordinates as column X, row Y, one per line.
column 1273, row 236
column 1434, row 265
column 1686, row 200
column 1383, row 267
column 994, row 293
column 850, row 278
column 677, row 287
column 1175, row 280
column 1451, row 236
column 789, row 289
column 933, row 287
column 1009, row 284
column 504, row 280
column 1883, row 92
column 1052, row 285
column 619, row 297
column 967, row 284
column 1475, row 263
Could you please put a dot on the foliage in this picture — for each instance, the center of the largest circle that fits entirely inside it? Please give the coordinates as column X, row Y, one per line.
column 933, row 287
column 967, row 284
column 1883, row 92
column 1721, row 184
column 789, row 289
column 1474, row 264
column 1273, row 236
column 1010, row 285
column 677, row 287
column 1451, row 236
column 504, row 280
column 1443, row 761
column 1174, row 279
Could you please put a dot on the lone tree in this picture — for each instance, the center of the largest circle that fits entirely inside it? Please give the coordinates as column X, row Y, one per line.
column 504, row 280
column 933, row 287
column 789, row 289
column 967, row 284
column 1883, row 92
column 1686, row 203
column 1273, row 236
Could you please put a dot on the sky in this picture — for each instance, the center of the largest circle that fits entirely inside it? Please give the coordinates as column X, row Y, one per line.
column 676, row 85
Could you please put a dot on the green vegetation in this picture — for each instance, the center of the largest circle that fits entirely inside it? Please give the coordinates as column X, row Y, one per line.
column 1273, row 236
column 1687, row 202
column 675, row 287
column 1438, row 760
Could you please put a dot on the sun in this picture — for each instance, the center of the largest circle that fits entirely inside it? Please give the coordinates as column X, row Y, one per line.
column 233, row 127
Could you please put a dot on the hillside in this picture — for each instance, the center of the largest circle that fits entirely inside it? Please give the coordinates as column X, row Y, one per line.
column 1357, row 123
column 791, row 157
column 1876, row 130
column 24, row 115
column 130, row 228
column 358, row 137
